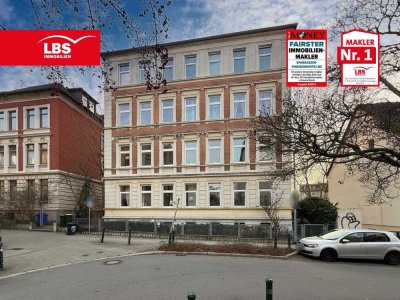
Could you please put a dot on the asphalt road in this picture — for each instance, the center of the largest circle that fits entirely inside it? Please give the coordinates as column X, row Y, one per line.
column 172, row 277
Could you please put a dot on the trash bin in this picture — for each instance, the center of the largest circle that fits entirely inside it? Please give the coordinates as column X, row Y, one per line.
column 69, row 218
column 63, row 221
column 71, row 228
column 44, row 219
column 1, row 254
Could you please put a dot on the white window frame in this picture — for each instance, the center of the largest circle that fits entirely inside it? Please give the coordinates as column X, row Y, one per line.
column 259, row 99
column 40, row 154
column 190, row 64
column 147, row 109
column 141, row 152
column 220, row 106
column 220, row 194
column 120, row 152
column 40, row 116
column 192, row 192
column 191, row 105
column 4, row 120
column 234, row 191
column 259, row 146
column 261, row 55
column 9, row 119
column 169, row 67
column 167, row 192
column 162, row 111
column 185, row 154
column 162, row 153
column 119, row 114
column 27, row 156
column 237, row 58
column 245, row 104
column 125, row 72
column 245, row 150
column 259, row 190
column 209, row 152
column 4, row 155
column 210, row 61
column 26, row 111
column 146, row 192
column 9, row 156
column 120, row 194
column 142, row 80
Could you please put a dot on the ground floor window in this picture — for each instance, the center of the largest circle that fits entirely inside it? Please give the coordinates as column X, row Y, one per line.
column 239, row 193
column 214, row 190
column 191, row 191
column 146, row 195
column 168, row 194
column 265, row 189
column 124, row 191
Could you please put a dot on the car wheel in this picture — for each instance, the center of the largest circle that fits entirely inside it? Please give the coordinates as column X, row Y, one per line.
column 328, row 255
column 393, row 258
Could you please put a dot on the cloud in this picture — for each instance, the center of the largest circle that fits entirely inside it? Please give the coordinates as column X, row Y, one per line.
column 209, row 17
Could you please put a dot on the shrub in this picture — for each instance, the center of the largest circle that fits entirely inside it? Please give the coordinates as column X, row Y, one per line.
column 318, row 210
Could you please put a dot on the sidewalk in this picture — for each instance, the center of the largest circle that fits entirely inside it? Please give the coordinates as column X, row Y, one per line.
column 29, row 250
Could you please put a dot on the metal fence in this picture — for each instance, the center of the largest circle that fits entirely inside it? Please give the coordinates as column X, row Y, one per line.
column 200, row 230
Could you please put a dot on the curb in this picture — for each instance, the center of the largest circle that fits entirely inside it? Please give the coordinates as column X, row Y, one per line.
column 177, row 253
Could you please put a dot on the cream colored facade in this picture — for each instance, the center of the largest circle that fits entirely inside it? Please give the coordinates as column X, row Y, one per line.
column 228, row 129
column 351, row 195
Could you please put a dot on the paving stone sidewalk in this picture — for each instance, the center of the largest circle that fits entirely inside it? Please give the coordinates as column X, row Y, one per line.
column 32, row 250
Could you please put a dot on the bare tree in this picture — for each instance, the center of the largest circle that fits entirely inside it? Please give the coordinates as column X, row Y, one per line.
column 357, row 127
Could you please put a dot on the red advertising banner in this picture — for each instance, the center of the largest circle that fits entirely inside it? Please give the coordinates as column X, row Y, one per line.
column 306, row 58
column 50, row 48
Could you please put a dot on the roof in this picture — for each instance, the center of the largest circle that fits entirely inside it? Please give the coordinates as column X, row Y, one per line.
column 207, row 38
column 54, row 88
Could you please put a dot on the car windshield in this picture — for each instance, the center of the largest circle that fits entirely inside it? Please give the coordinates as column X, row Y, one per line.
column 332, row 235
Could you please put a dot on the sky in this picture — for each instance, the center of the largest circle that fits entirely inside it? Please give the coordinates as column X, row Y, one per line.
column 188, row 19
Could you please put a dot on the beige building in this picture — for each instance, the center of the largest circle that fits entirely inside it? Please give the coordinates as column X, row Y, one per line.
column 345, row 188
column 193, row 142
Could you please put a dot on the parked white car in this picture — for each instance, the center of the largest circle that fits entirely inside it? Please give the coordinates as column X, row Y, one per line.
column 353, row 243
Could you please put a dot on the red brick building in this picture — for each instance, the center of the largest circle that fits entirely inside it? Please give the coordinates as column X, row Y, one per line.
column 193, row 143
column 50, row 150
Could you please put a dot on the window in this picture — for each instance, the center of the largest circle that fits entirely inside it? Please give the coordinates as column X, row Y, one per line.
column 264, row 54
column 1, row 155
column 145, row 112
column 376, row 237
column 265, row 102
column 84, row 101
column 168, row 194
column 214, row 193
column 2, row 189
column 146, row 195
column 265, row 189
column 44, row 117
column 190, row 152
column 214, row 60
column 214, row 151
column 1, row 121
column 44, row 190
column 357, row 237
column 124, row 114
column 91, row 107
column 125, row 155
column 124, row 74
column 214, row 107
column 146, row 154
column 267, row 153
column 168, row 154
column 168, row 72
column 190, row 109
column 239, row 193
column 30, row 118
column 142, row 73
column 12, row 120
column 191, row 194
column 12, row 152
column 239, row 105
column 167, row 111
column 124, row 195
column 30, row 154
column 43, row 148
column 239, row 150
column 13, row 190
column 238, row 60
column 190, row 66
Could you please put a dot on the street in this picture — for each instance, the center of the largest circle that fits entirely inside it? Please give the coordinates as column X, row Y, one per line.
column 172, row 277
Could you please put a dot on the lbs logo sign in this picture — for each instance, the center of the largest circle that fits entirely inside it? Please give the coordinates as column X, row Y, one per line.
column 50, row 48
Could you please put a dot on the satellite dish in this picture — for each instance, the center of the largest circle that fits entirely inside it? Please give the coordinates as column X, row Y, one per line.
column 89, row 201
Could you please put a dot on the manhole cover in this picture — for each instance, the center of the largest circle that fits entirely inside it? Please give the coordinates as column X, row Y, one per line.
column 16, row 249
column 112, row 262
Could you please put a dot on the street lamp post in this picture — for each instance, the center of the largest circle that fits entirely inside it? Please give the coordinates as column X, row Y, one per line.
column 172, row 229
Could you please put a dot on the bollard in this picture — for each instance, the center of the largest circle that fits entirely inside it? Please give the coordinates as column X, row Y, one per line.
column 102, row 235
column 1, row 254
column 191, row 296
column 288, row 240
column 129, row 237
column 268, row 283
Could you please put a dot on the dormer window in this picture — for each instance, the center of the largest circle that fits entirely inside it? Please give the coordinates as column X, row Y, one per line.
column 84, row 101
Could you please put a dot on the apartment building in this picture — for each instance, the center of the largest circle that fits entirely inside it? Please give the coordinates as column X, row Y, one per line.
column 50, row 151
column 193, row 143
